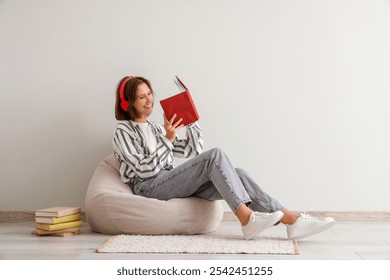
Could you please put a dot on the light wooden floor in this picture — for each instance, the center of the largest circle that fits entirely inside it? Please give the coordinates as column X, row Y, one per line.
column 345, row 241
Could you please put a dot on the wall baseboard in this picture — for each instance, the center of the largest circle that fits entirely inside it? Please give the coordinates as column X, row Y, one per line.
column 340, row 216
column 21, row 216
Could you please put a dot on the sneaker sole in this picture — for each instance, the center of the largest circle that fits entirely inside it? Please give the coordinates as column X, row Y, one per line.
column 271, row 223
column 317, row 230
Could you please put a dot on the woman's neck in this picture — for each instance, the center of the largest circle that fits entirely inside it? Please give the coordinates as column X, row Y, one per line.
column 140, row 120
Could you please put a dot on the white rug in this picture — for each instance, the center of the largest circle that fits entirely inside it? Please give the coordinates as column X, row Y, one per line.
column 197, row 244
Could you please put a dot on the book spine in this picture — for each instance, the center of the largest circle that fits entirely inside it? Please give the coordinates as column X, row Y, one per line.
column 49, row 227
column 48, row 220
column 55, row 212
column 55, row 232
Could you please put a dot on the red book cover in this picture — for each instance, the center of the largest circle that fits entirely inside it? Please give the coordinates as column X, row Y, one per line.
column 182, row 105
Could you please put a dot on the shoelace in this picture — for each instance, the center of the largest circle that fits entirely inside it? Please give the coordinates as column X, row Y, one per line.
column 306, row 216
column 258, row 217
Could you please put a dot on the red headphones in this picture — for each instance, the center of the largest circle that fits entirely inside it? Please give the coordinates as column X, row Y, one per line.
column 124, row 104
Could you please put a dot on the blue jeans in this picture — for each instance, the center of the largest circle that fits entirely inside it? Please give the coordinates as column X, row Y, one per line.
column 211, row 176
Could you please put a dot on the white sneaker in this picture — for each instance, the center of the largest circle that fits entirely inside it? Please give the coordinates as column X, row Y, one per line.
column 259, row 222
column 306, row 225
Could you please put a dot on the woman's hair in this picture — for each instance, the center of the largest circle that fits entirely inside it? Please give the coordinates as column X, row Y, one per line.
column 129, row 91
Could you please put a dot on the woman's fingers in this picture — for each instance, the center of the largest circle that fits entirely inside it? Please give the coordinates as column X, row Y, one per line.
column 178, row 122
column 172, row 127
column 171, row 124
column 172, row 119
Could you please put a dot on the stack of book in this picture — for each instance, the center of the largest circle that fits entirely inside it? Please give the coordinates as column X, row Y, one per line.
column 58, row 221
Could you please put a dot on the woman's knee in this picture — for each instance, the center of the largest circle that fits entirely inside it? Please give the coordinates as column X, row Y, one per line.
column 217, row 152
column 219, row 157
column 241, row 172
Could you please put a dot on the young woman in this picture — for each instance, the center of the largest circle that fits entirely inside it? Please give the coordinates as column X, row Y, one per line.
column 145, row 151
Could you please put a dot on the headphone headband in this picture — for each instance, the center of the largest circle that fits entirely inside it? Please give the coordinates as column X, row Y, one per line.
column 124, row 104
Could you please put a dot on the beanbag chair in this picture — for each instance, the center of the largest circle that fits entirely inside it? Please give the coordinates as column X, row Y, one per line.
column 112, row 208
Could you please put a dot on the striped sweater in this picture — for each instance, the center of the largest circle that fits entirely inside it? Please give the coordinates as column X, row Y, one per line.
column 135, row 159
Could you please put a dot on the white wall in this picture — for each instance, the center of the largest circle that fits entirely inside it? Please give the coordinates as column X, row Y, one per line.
column 296, row 92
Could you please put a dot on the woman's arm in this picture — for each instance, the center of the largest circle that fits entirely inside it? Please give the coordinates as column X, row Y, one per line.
column 192, row 145
column 128, row 146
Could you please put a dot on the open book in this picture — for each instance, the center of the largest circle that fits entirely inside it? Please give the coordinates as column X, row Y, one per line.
column 180, row 104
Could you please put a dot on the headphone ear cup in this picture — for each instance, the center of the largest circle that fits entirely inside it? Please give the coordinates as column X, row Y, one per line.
column 124, row 105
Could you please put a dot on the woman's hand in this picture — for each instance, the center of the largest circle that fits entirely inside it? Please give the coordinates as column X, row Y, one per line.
column 172, row 127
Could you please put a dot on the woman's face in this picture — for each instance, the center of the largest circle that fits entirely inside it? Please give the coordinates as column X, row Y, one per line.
column 143, row 103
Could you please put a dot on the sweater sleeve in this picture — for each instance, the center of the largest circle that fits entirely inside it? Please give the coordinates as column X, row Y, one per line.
column 192, row 145
column 134, row 162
